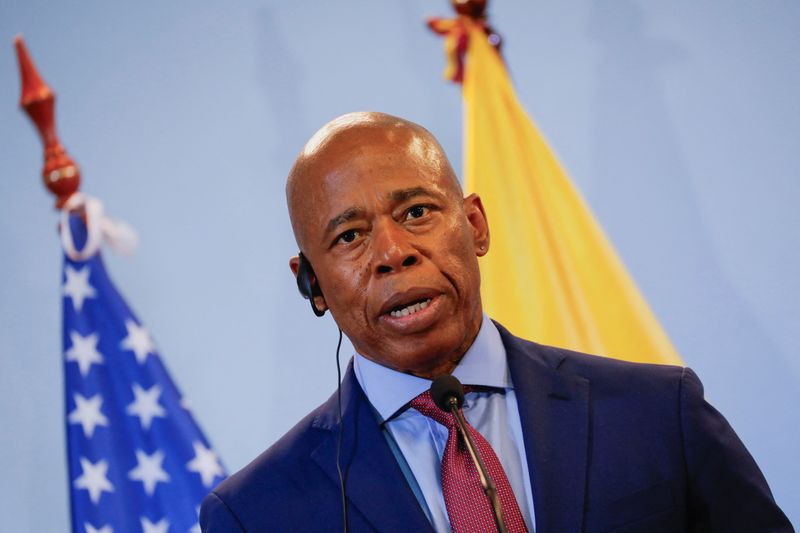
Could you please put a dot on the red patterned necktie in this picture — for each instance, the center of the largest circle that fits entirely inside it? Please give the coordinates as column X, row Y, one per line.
column 467, row 505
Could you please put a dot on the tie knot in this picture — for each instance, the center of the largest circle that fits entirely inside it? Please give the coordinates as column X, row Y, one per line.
column 424, row 404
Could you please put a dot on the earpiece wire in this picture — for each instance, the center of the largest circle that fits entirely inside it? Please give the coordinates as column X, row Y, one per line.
column 341, row 430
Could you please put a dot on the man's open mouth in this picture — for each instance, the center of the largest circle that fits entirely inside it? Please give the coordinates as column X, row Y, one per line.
column 410, row 309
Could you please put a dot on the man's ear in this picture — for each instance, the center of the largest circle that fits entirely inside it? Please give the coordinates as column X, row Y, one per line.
column 476, row 215
column 319, row 299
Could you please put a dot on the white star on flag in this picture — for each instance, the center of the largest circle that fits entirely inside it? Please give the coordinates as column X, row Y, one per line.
column 159, row 527
column 205, row 463
column 77, row 286
column 84, row 351
column 87, row 413
column 138, row 341
column 94, row 479
column 149, row 470
column 145, row 405
column 91, row 529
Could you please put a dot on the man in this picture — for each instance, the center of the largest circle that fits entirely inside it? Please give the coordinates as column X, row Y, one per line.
column 573, row 442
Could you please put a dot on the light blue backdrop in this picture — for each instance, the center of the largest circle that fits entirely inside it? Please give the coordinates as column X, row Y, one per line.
column 679, row 122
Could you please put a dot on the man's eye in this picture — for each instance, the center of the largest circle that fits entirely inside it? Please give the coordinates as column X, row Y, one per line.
column 348, row 236
column 417, row 211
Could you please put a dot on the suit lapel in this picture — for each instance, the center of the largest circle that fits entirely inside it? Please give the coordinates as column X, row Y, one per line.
column 376, row 486
column 554, row 410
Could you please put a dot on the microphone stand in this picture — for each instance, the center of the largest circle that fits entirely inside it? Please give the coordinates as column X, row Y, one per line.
column 486, row 481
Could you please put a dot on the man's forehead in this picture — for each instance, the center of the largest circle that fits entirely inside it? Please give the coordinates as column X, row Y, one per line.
column 364, row 149
column 375, row 167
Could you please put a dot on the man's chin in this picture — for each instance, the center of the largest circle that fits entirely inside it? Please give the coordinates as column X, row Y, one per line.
column 426, row 356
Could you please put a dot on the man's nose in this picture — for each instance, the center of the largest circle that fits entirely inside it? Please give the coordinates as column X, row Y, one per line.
column 393, row 251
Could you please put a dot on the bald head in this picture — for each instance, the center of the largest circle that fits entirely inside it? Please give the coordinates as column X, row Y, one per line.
column 334, row 148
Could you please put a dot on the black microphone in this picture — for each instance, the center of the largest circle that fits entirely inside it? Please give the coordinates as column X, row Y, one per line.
column 448, row 395
column 443, row 389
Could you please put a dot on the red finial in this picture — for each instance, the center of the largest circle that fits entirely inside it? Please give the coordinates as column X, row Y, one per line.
column 456, row 32
column 470, row 8
column 61, row 175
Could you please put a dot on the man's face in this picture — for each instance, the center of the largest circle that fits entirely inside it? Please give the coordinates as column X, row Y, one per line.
column 394, row 247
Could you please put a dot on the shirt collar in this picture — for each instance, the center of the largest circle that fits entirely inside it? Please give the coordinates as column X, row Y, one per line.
column 484, row 364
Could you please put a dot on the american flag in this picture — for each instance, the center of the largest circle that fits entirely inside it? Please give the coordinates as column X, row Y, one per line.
column 138, row 462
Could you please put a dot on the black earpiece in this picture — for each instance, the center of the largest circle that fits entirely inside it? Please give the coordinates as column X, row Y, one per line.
column 307, row 282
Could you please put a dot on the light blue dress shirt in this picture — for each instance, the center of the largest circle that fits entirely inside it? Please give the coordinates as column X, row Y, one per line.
column 418, row 442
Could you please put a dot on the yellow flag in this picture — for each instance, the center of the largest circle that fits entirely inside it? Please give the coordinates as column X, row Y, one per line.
column 551, row 275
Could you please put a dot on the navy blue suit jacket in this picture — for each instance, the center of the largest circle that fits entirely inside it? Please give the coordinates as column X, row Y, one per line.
column 612, row 446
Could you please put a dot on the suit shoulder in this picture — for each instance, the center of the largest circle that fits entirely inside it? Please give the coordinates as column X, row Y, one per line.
column 615, row 375
column 599, row 366
column 608, row 375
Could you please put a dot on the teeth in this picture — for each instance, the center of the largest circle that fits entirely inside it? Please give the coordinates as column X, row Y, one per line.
column 411, row 309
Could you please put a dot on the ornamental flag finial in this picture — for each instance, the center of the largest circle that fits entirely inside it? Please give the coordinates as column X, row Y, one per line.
column 469, row 13
column 61, row 174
